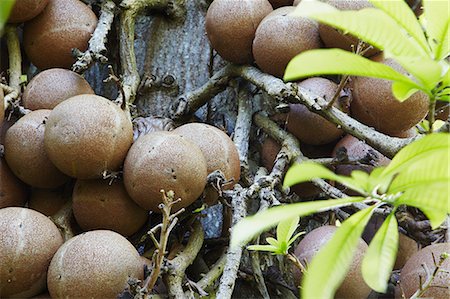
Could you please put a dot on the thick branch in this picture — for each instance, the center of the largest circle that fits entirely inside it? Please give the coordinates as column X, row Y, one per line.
column 178, row 266
column 15, row 64
column 97, row 44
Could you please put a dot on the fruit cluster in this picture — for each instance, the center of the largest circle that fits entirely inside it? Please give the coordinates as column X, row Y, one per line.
column 63, row 148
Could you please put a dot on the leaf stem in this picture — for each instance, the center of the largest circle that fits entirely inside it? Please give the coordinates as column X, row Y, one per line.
column 431, row 116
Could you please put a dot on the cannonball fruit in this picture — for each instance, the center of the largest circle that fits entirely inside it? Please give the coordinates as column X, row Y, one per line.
column 95, row 264
column 28, row 241
column 25, row 10
column 308, row 126
column 49, row 38
column 374, row 104
column 280, row 37
column 47, row 201
column 13, row 192
column 50, row 87
column 87, row 135
column 407, row 247
column 100, row 205
column 334, row 38
column 164, row 160
column 231, row 26
column 25, row 153
column 353, row 285
column 413, row 273
column 219, row 151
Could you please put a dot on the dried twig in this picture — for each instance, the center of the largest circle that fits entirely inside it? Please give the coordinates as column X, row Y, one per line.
column 97, row 44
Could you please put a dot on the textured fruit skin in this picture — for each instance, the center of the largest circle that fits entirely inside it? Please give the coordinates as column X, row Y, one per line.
column 353, row 285
column 47, row 201
column 407, row 247
column 87, row 135
column 49, row 38
column 374, row 104
column 25, row 10
column 50, row 87
column 28, row 241
column 280, row 37
column 413, row 269
column 279, row 3
column 357, row 150
column 310, row 127
column 164, row 160
column 99, row 205
column 25, row 153
column 333, row 38
column 95, row 264
column 219, row 151
column 231, row 26
column 13, row 192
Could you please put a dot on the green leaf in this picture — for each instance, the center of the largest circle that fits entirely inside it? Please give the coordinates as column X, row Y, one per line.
column 337, row 61
column 379, row 259
column 5, row 9
column 272, row 241
column 269, row 248
column 436, row 22
column 307, row 171
column 250, row 227
column 402, row 91
column 328, row 268
column 429, row 145
column 370, row 25
column 427, row 71
column 286, row 229
column 405, row 17
column 292, row 240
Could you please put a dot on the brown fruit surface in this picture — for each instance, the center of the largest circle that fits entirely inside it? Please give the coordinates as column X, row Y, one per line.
column 100, row 205
column 50, row 87
column 28, row 241
column 25, row 153
column 95, row 264
column 47, row 201
column 442, row 110
column 219, row 151
column 13, row 192
column 269, row 151
column 353, row 285
column 231, row 26
column 279, row 3
column 280, row 37
column 413, row 272
column 334, row 38
column 407, row 247
column 374, row 104
column 49, row 38
column 87, row 135
column 310, row 127
column 25, row 10
column 164, row 160
column 358, row 150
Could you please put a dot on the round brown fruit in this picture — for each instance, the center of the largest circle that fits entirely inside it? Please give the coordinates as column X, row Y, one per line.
column 49, row 38
column 334, row 38
column 358, row 150
column 87, row 135
column 231, row 26
column 47, row 201
column 25, row 153
column 13, row 192
column 280, row 37
column 269, row 150
column 219, row 151
column 353, row 285
column 413, row 273
column 310, row 127
column 100, row 205
column 164, row 161
column 95, row 264
column 50, row 87
column 27, row 244
column 407, row 247
column 279, row 3
column 25, row 10
column 374, row 104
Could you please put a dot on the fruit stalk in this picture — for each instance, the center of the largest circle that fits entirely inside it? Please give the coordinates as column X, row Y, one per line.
column 15, row 64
